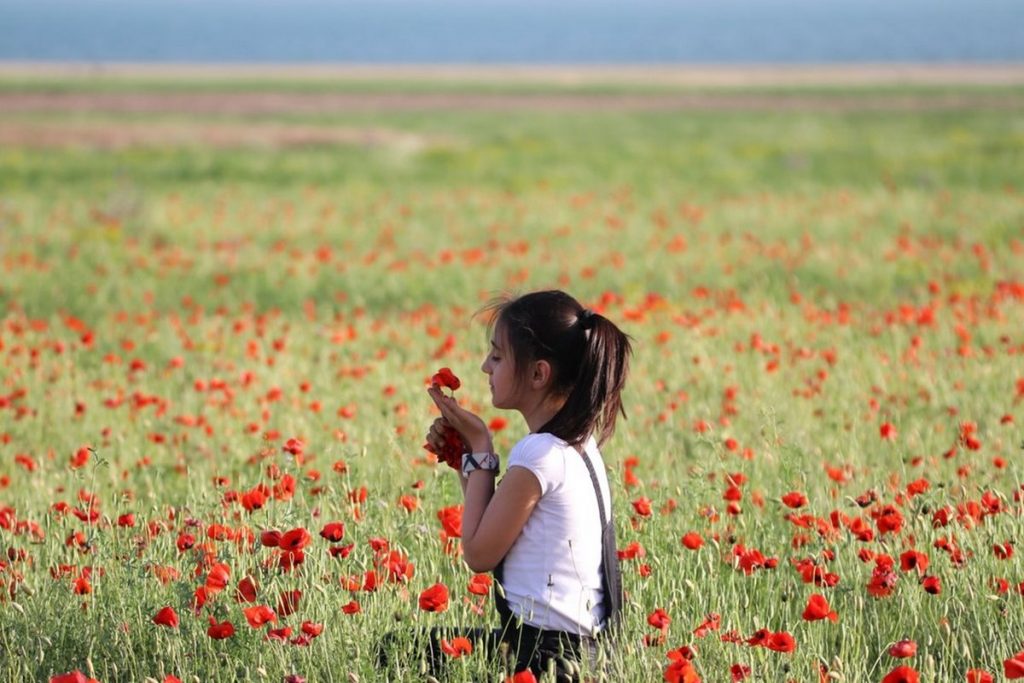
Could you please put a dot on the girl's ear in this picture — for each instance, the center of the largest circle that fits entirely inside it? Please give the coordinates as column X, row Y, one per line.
column 541, row 374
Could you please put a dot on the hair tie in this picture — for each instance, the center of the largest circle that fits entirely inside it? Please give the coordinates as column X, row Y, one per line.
column 586, row 318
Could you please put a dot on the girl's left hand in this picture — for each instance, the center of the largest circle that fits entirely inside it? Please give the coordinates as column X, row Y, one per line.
column 471, row 427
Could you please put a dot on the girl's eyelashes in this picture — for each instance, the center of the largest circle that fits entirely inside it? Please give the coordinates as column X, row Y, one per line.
column 495, row 358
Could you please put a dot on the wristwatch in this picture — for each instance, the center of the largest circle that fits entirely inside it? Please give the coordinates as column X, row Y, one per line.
column 479, row 461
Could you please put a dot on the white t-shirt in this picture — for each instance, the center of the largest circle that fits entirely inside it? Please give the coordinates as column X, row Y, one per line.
column 552, row 572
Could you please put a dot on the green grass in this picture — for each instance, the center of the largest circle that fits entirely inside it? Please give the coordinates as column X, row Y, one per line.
column 334, row 274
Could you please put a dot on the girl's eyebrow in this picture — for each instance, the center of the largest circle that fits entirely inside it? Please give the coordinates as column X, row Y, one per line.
column 495, row 345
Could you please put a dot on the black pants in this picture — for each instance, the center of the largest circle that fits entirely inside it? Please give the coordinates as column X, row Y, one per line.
column 514, row 648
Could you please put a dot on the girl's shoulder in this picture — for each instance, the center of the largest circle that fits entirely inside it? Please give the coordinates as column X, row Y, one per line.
column 536, row 444
column 544, row 455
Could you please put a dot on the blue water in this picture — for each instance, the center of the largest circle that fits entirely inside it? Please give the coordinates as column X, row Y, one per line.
column 512, row 31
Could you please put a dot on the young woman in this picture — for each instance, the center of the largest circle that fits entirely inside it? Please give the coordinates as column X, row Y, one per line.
column 542, row 530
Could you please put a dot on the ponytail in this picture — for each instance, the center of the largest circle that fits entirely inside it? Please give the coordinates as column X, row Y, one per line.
column 588, row 353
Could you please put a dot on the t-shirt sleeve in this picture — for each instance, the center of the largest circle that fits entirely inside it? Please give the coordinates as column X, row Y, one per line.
column 539, row 454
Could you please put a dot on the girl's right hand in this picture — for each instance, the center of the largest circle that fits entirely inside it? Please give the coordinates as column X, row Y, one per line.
column 471, row 428
column 435, row 435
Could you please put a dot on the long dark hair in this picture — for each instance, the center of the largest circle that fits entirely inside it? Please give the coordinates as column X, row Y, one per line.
column 588, row 354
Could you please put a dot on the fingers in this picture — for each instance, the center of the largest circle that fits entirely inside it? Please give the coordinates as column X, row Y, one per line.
column 435, row 435
column 437, row 397
column 448, row 406
column 437, row 428
column 469, row 426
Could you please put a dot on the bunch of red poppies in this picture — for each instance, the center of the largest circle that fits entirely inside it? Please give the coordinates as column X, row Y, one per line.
column 453, row 448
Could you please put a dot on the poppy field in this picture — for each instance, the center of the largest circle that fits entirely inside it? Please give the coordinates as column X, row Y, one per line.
column 217, row 328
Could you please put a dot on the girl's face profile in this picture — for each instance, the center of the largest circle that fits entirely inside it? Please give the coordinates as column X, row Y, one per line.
column 499, row 367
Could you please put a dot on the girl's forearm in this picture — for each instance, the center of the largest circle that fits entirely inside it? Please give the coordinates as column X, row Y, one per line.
column 477, row 491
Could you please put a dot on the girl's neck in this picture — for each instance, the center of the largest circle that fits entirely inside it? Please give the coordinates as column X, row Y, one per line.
column 540, row 412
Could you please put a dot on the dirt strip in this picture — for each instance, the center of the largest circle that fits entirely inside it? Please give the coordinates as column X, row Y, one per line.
column 125, row 134
column 247, row 103
column 691, row 75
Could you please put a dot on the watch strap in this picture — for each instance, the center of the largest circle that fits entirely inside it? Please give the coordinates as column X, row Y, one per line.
column 479, row 461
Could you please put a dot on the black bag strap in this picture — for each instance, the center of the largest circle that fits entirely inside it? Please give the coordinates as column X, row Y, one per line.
column 611, row 573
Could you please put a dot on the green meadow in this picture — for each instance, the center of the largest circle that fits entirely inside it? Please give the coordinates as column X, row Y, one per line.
column 825, row 301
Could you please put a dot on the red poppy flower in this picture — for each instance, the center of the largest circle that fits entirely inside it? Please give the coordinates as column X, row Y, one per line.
column 293, row 446
column 750, row 559
column 901, row 674
column 351, row 607
column 81, row 457
column 733, row 493
column 259, row 615
column 525, row 676
column 903, row 649
column 692, row 540
column 220, row 631
column 456, row 647
column 217, row 579
column 312, row 629
column 979, row 676
column 451, row 520
column 434, row 599
column 333, row 531
column 680, row 670
column 73, row 677
column 290, row 559
column 255, row 498
column 294, row 540
column 341, row 551
column 794, row 499
column 281, row 634
column 246, row 590
column 912, row 559
column 199, row 599
column 818, row 608
column 219, row 532
column 446, row 378
column 781, row 642
column 1013, row 668
column 631, row 551
column 712, row 622
column 932, row 585
column 659, row 619
column 166, row 617
column 185, row 542
column 397, row 565
column 410, row 503
column 480, row 584
column 889, row 520
column 738, row 672
column 25, row 461
column 642, row 506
